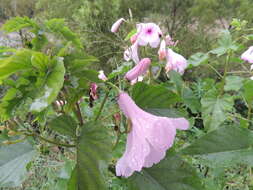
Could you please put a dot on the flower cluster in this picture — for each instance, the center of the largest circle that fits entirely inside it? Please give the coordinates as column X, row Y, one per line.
column 150, row 136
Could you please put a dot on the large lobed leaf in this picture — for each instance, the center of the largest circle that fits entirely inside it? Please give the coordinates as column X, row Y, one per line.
column 17, row 23
column 215, row 108
column 153, row 96
column 52, row 87
column 64, row 124
column 172, row 173
column 21, row 60
column 14, row 159
column 224, row 147
column 93, row 151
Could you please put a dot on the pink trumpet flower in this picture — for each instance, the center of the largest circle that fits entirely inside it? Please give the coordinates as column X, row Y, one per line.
column 175, row 62
column 162, row 50
column 248, row 55
column 102, row 76
column 149, row 139
column 139, row 69
column 132, row 53
column 149, row 33
column 116, row 25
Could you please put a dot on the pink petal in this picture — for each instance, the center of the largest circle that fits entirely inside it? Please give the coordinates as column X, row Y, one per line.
column 248, row 55
column 116, row 25
column 180, row 123
column 132, row 53
column 102, row 75
column 175, row 62
column 139, row 69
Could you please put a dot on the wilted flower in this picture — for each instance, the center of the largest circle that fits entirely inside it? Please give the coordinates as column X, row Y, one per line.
column 132, row 53
column 102, row 76
column 149, row 33
column 169, row 41
column 149, row 139
column 248, row 55
column 162, row 50
column 139, row 69
column 175, row 62
column 116, row 25
column 93, row 91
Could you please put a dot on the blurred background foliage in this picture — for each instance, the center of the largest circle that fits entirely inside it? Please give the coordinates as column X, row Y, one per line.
column 195, row 23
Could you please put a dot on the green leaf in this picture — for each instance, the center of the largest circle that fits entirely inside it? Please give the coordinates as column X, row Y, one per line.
column 126, row 66
column 72, row 183
column 130, row 34
column 153, row 96
column 176, row 78
column 14, row 159
column 198, row 59
column 90, row 75
column 17, row 23
column 52, row 87
column 214, row 108
column 64, row 124
column 93, row 151
column 190, row 99
column 225, row 44
column 80, row 64
column 172, row 173
column 17, row 62
column 225, row 146
column 40, row 61
column 172, row 113
column 58, row 26
column 248, row 90
column 187, row 95
column 234, row 83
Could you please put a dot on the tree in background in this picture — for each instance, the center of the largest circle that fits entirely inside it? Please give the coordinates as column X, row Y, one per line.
column 11, row 8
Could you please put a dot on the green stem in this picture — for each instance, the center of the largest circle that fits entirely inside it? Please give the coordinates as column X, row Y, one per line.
column 225, row 74
column 114, row 86
column 50, row 141
column 249, row 111
column 102, row 105
column 79, row 114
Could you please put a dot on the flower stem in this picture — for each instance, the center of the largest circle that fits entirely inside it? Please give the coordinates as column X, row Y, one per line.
column 79, row 114
column 50, row 141
column 102, row 105
column 225, row 74
column 114, row 86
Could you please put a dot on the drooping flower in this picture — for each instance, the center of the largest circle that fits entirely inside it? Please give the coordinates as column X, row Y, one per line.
column 93, row 91
column 102, row 76
column 139, row 69
column 175, row 62
column 116, row 25
column 149, row 139
column 169, row 41
column 248, row 55
column 149, row 33
column 162, row 50
column 131, row 53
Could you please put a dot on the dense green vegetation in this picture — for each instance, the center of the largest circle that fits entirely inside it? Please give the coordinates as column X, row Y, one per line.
column 60, row 125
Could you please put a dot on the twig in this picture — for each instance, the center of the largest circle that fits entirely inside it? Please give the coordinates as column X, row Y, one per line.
column 102, row 105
